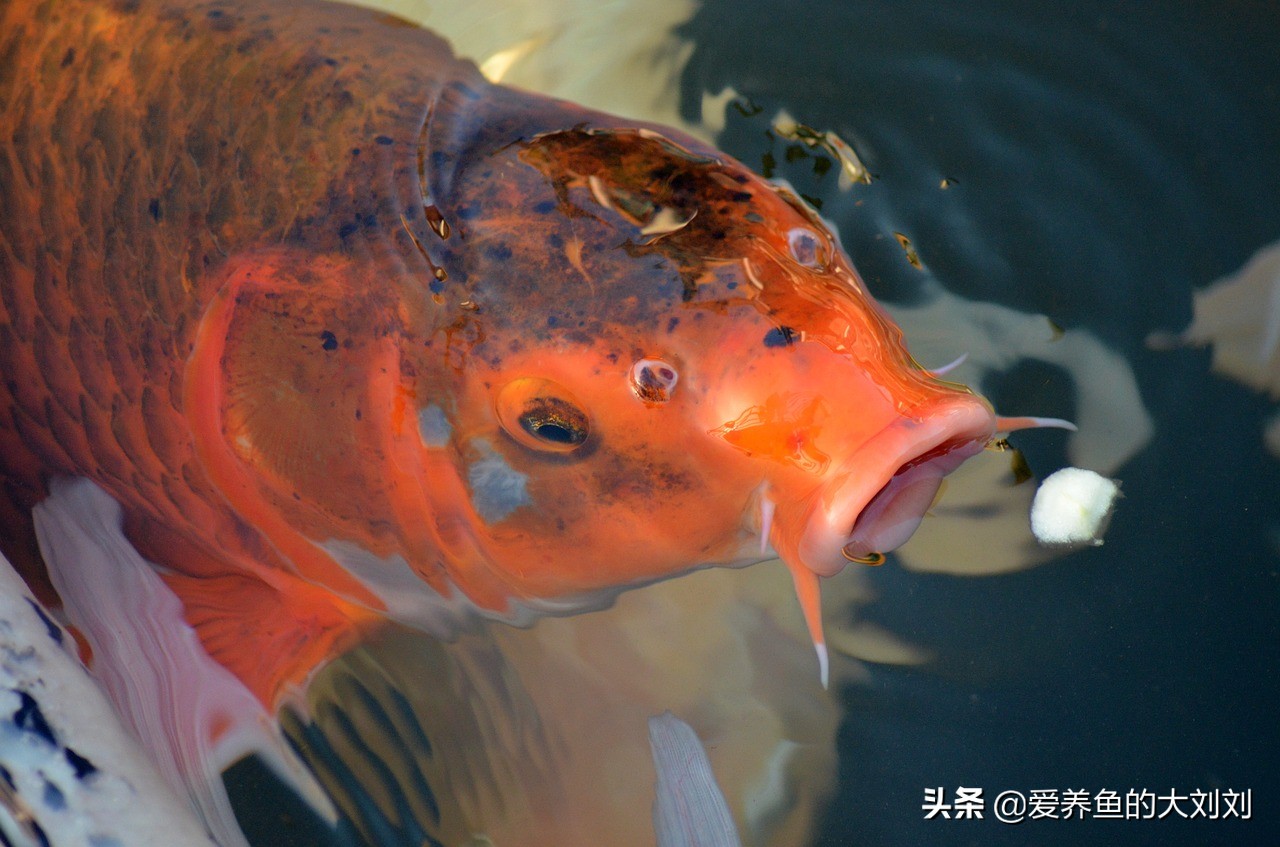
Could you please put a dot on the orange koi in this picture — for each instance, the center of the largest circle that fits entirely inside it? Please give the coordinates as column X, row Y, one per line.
column 352, row 335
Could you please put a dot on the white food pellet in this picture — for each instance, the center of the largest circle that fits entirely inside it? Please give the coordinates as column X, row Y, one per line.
column 1073, row 507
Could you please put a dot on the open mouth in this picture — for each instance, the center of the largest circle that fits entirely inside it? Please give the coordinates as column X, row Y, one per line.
column 892, row 516
column 888, row 487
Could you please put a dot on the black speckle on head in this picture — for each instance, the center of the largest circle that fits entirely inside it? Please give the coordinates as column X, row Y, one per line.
column 672, row 324
column 346, row 229
column 498, row 252
column 436, row 286
column 328, row 340
column 742, row 196
column 780, row 336
column 545, row 207
column 384, row 140
column 355, row 151
column 153, row 208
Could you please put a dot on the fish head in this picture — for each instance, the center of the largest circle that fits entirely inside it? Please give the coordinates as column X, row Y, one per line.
column 670, row 363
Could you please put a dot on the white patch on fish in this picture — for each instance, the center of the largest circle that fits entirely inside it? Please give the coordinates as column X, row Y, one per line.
column 433, row 427
column 497, row 489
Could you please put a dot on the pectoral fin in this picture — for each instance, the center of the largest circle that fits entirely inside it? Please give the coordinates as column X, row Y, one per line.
column 689, row 810
column 191, row 713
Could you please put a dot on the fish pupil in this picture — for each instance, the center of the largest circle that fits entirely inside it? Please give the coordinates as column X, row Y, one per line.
column 555, row 432
column 554, row 426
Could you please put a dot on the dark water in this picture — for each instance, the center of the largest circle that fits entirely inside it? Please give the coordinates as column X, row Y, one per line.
column 1108, row 159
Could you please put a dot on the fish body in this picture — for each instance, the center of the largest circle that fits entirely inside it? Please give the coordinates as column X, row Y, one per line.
column 351, row 334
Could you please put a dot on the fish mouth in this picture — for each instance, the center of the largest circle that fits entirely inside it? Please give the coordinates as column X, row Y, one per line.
column 885, row 489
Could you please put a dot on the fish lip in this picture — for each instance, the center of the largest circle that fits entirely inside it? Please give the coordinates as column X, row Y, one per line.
column 920, row 449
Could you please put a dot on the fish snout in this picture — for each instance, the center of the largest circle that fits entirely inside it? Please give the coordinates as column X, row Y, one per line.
column 877, row 497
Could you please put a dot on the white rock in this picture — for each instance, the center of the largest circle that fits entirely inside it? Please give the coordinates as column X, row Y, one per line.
column 1073, row 507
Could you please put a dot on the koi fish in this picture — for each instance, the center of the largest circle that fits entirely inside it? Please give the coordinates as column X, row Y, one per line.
column 352, row 335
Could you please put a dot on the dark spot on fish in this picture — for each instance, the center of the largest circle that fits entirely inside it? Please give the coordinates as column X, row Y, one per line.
column 384, row 140
column 466, row 213
column 731, row 285
column 544, row 207
column 53, row 796
column 69, row 56
column 672, row 324
column 556, row 241
column 154, row 209
column 779, row 336
column 552, row 320
column 30, row 719
column 55, row 631
column 333, row 63
column 754, row 218
column 741, row 196
column 220, row 21
column 355, row 151
column 719, row 235
column 498, row 252
column 370, row 221
column 328, row 340
column 359, row 414
column 439, row 159
column 436, row 286
column 82, row 766
column 346, row 229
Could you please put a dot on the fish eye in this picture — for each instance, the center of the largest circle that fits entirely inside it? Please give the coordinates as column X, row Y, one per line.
column 654, row 380
column 807, row 248
column 542, row 415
